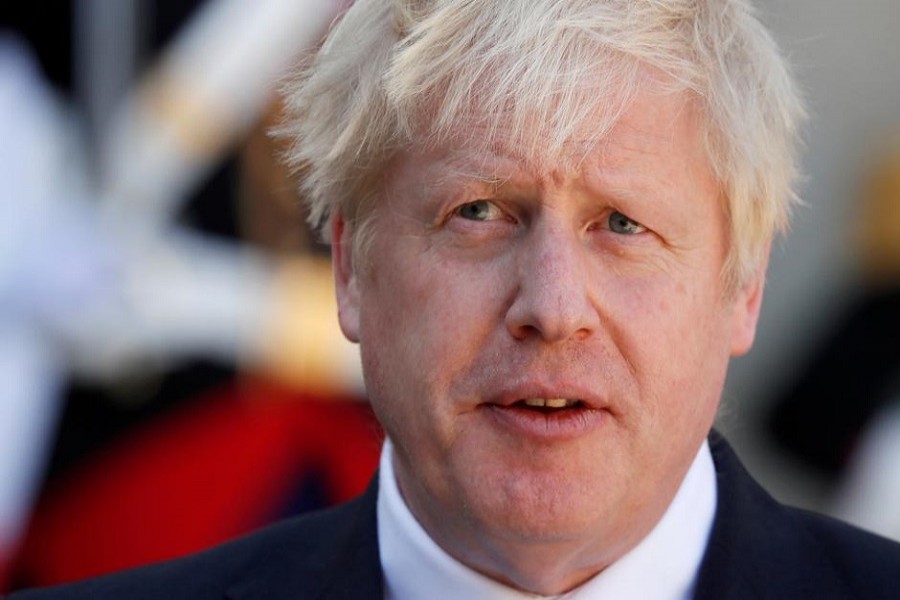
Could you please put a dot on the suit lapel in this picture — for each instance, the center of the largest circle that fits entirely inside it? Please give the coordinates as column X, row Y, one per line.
column 756, row 549
column 339, row 560
column 734, row 546
column 356, row 572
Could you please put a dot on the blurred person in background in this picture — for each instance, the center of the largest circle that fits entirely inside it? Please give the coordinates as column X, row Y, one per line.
column 550, row 227
column 212, row 458
column 167, row 454
column 839, row 412
column 824, row 408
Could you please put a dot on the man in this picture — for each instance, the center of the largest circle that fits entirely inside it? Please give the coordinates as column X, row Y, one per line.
column 550, row 223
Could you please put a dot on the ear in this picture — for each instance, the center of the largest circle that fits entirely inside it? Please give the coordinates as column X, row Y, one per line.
column 746, row 307
column 345, row 278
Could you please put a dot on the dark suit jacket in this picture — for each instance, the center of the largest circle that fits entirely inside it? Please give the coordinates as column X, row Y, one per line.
column 758, row 549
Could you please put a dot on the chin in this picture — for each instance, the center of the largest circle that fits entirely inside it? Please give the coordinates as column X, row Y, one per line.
column 546, row 507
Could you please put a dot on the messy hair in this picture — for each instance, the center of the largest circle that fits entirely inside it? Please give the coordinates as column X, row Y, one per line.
column 397, row 73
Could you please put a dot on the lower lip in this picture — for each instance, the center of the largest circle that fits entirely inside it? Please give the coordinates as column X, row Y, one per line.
column 564, row 424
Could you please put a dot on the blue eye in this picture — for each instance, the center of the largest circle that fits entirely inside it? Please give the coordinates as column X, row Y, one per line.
column 479, row 210
column 619, row 223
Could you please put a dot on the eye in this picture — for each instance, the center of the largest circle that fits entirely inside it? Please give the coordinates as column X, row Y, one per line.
column 619, row 223
column 479, row 210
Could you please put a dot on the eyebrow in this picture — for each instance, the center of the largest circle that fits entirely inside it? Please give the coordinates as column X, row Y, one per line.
column 462, row 168
column 496, row 170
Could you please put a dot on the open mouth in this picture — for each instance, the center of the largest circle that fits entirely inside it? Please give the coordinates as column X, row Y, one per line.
column 548, row 419
column 548, row 405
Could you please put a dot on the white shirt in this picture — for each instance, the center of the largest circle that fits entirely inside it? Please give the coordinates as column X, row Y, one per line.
column 663, row 566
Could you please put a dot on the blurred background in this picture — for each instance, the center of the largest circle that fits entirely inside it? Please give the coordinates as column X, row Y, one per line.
column 171, row 372
column 813, row 409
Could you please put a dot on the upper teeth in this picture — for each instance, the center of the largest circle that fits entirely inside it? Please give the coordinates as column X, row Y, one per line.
column 550, row 402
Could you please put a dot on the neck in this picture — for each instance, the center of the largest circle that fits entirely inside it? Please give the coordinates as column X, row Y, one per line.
column 538, row 567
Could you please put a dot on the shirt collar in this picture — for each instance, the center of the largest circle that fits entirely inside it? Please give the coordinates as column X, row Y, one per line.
column 662, row 566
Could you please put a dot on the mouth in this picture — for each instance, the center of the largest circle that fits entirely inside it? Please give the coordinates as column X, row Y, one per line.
column 548, row 405
column 547, row 419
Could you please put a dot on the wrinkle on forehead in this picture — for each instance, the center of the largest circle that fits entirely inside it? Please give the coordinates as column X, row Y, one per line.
column 492, row 153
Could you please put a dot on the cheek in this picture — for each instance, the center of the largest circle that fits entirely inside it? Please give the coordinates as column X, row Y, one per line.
column 674, row 334
column 441, row 299
column 423, row 322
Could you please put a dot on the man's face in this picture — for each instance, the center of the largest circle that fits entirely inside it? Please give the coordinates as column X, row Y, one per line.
column 546, row 347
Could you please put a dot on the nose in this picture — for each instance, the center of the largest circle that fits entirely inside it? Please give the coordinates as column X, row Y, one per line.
column 553, row 300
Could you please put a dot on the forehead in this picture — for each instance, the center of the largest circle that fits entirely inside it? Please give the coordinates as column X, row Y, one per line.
column 647, row 139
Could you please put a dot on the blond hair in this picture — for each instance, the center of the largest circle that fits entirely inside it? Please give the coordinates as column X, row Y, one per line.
column 394, row 73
